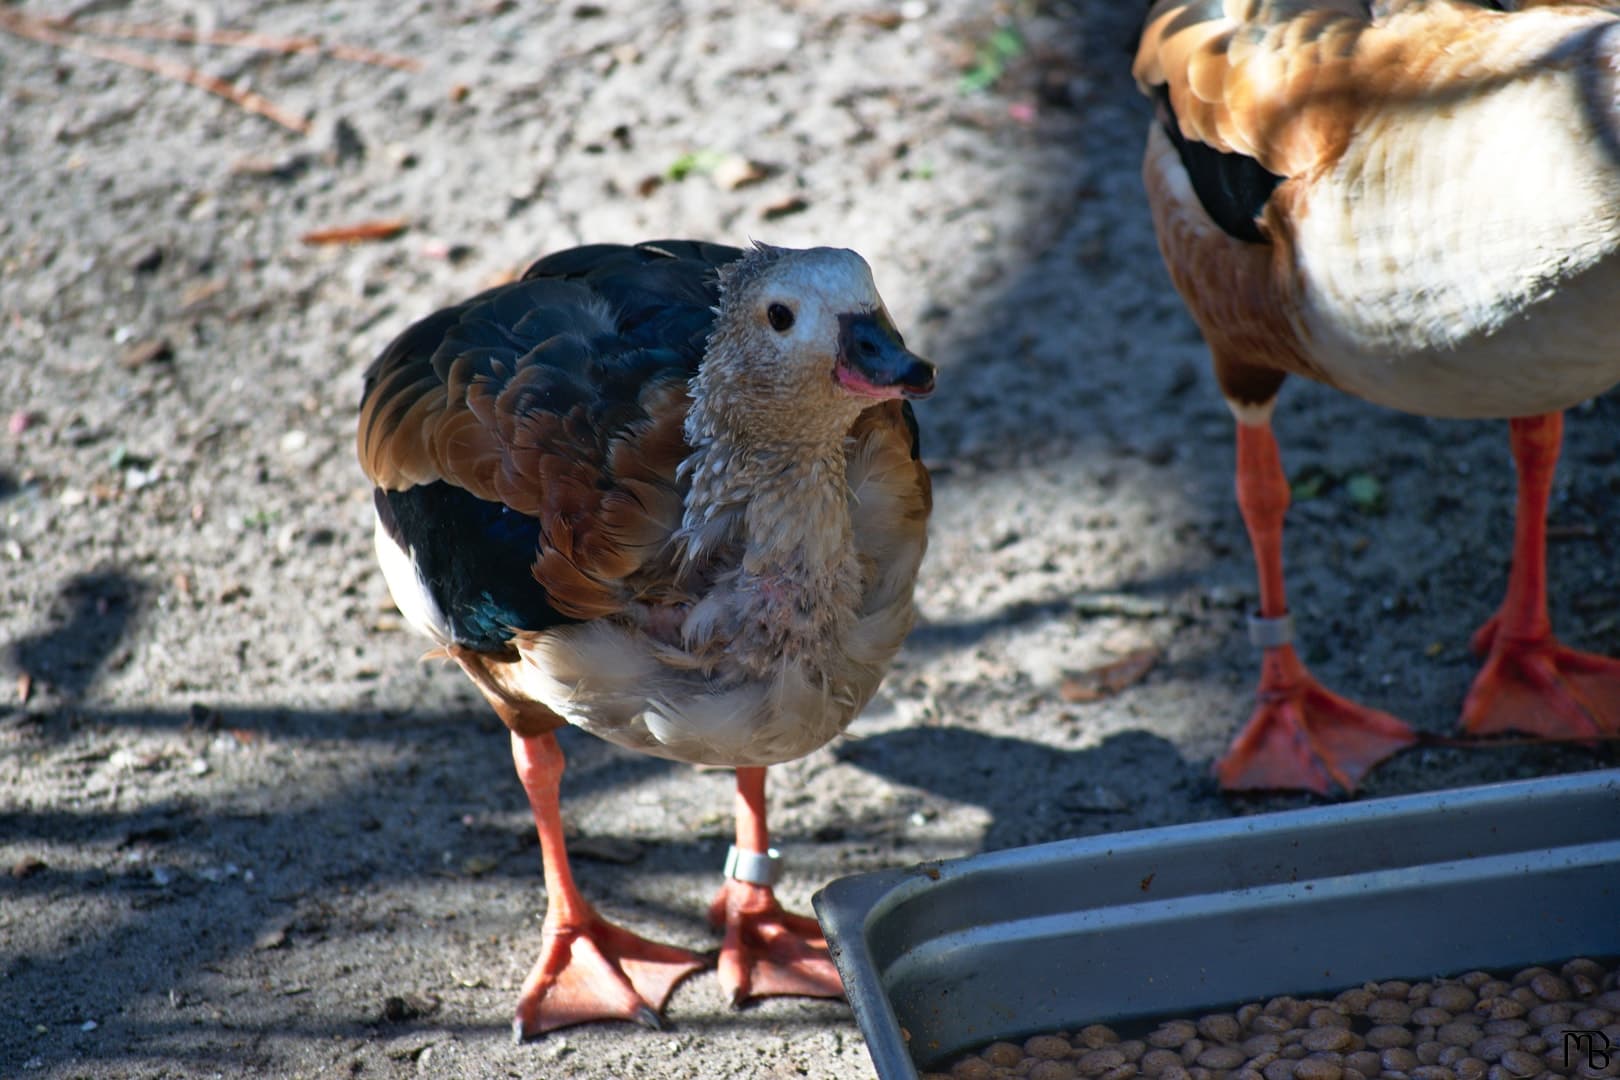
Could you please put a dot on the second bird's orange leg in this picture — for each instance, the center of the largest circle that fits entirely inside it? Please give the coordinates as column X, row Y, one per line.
column 1300, row 735
column 767, row 951
column 589, row 969
column 1530, row 682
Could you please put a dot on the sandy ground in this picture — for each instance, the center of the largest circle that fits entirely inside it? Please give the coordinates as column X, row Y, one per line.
column 243, row 830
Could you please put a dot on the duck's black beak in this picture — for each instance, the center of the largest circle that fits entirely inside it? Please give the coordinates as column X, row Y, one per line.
column 873, row 360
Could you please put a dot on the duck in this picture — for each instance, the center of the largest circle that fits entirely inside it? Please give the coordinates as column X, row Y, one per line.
column 1416, row 202
column 671, row 494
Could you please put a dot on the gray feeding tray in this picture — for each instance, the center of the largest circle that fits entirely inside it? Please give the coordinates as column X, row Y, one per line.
column 944, row 957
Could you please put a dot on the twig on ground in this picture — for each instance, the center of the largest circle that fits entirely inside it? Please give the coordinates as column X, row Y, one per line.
column 43, row 31
column 385, row 229
column 246, row 39
column 68, row 33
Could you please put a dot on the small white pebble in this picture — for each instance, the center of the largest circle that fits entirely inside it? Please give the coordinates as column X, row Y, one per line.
column 88, row 1025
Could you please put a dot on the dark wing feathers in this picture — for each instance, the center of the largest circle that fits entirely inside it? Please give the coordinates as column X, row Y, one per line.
column 470, row 552
column 525, row 442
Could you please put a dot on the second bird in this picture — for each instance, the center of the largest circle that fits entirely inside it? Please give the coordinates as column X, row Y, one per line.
column 1417, row 202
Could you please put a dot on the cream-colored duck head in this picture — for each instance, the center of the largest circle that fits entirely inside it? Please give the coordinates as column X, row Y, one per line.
column 801, row 344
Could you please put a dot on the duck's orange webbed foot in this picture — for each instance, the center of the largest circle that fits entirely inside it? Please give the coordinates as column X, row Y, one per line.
column 1304, row 736
column 768, row 951
column 599, row 971
column 1541, row 687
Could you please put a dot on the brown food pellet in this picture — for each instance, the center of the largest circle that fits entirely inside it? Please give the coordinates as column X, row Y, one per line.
column 1220, row 1027
column 1474, row 979
column 1523, row 976
column 1155, row 1062
column 1387, row 1011
column 1133, row 1049
column 1174, row 1072
column 1353, row 1074
column 1433, row 1072
column 1458, row 1033
column 1454, row 997
column 1501, row 1008
column 1047, row 1047
column 1264, row 1043
column 1395, row 988
column 1120, row 1072
column 1248, row 1074
column 1281, row 1069
column 1515, row 1028
column 1398, row 1059
column 973, row 1068
column 1365, row 1062
column 1190, row 1050
column 1246, row 1015
column 1592, row 1018
column 1492, row 1047
column 1493, row 988
column 1591, row 969
column 1470, row 1068
column 1198, row 1072
column 1428, row 1052
column 1431, row 1016
column 1384, row 1036
column 1173, row 1034
column 1005, row 1054
column 1525, row 996
column 1553, row 1012
column 1317, row 1068
column 1521, row 1063
column 1356, row 1000
column 1266, row 1022
column 1327, row 1018
column 1096, row 1036
column 1327, row 1038
column 1097, row 1062
column 1051, row 1070
column 1220, row 1057
column 1450, row 1055
column 1260, row 1061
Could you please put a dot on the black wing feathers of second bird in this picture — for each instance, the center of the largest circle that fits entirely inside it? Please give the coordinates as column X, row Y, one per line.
column 1232, row 188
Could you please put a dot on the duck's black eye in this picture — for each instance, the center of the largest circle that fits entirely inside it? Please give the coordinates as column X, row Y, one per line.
column 781, row 317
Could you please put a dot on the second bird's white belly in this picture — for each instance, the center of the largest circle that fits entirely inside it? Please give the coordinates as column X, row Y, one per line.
column 1467, row 269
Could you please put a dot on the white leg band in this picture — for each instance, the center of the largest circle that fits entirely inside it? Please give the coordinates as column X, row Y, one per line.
column 1267, row 633
column 754, row 867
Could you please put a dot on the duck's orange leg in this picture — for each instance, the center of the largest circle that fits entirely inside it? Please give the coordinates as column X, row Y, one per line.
column 1300, row 735
column 589, row 969
column 1530, row 682
column 767, row 951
